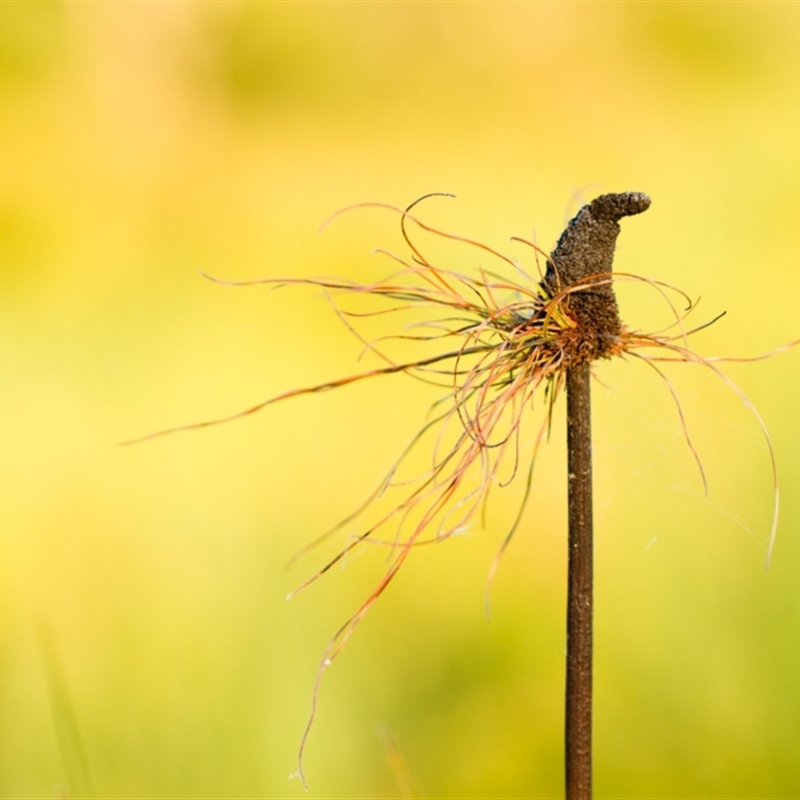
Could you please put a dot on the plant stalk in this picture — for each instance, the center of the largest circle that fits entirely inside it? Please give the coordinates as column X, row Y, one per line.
column 584, row 258
column 578, row 727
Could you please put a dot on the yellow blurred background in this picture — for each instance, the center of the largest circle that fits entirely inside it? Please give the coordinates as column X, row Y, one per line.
column 146, row 646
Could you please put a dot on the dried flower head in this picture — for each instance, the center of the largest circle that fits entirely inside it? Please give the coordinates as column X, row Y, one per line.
column 498, row 341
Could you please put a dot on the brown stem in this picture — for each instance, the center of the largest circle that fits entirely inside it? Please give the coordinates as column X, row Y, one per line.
column 585, row 255
column 578, row 729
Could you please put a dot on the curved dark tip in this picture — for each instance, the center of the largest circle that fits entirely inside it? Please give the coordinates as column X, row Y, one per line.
column 615, row 206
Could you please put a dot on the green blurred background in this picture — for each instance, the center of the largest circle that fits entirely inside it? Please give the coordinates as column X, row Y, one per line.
column 146, row 648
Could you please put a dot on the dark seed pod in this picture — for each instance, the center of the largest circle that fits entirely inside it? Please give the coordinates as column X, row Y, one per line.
column 585, row 255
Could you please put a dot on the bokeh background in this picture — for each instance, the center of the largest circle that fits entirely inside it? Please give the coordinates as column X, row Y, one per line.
column 146, row 646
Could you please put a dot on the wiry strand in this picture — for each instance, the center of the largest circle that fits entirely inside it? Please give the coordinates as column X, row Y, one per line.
column 321, row 387
column 678, row 406
column 510, row 535
column 690, row 357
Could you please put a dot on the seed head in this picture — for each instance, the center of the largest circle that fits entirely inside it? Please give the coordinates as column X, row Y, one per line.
column 584, row 258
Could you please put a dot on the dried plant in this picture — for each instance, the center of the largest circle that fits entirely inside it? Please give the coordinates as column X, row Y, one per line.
column 502, row 344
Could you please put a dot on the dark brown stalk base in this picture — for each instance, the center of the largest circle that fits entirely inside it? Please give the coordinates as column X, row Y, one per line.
column 580, row 270
column 578, row 728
